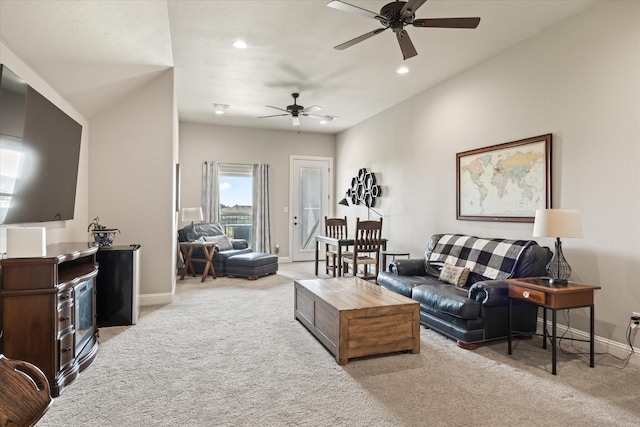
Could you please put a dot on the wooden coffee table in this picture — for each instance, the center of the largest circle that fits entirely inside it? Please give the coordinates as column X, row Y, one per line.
column 354, row 318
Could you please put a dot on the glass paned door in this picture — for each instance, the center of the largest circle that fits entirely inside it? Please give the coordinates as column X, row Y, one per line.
column 310, row 204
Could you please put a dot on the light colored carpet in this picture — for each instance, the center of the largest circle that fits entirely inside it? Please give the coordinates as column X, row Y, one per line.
column 228, row 352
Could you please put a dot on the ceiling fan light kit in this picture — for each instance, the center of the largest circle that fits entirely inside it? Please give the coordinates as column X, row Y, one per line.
column 396, row 15
column 295, row 111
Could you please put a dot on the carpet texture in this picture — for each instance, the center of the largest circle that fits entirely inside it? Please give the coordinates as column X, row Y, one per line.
column 228, row 352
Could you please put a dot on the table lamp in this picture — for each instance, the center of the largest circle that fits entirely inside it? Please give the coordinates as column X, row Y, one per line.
column 192, row 214
column 557, row 223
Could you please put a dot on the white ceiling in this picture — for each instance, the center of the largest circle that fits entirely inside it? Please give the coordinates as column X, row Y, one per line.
column 94, row 52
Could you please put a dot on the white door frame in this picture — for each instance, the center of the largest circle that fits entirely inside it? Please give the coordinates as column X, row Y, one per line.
column 327, row 208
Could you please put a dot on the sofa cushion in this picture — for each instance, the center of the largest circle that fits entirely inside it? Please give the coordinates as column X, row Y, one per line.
column 222, row 242
column 447, row 298
column 454, row 275
column 402, row 285
column 193, row 232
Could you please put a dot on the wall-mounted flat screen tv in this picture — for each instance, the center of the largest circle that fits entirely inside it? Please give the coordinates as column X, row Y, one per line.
column 39, row 155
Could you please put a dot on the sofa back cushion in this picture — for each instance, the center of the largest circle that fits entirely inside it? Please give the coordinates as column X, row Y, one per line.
column 490, row 258
column 192, row 232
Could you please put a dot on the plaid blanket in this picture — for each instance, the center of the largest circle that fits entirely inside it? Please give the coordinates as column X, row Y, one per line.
column 492, row 258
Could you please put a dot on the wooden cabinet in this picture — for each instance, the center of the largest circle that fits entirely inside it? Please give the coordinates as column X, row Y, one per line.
column 49, row 311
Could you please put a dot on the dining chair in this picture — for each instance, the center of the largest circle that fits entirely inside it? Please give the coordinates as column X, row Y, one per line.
column 25, row 393
column 335, row 228
column 366, row 249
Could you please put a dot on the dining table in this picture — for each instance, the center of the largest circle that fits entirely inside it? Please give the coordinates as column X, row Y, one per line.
column 339, row 244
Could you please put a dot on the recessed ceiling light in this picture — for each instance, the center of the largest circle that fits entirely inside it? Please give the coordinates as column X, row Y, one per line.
column 402, row 70
column 239, row 44
column 323, row 122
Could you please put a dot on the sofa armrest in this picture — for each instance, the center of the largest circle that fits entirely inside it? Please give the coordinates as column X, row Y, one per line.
column 239, row 243
column 407, row 267
column 490, row 292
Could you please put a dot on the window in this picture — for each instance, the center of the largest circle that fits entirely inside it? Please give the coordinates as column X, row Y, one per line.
column 236, row 199
column 10, row 155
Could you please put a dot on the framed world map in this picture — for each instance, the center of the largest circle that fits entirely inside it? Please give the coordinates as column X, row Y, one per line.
column 505, row 182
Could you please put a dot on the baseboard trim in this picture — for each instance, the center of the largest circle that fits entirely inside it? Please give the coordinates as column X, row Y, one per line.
column 284, row 259
column 602, row 345
column 156, row 299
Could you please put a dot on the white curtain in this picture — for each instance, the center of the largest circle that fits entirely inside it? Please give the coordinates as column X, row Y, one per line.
column 261, row 223
column 210, row 197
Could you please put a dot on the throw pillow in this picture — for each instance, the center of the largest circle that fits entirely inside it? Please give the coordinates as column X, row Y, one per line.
column 190, row 233
column 223, row 242
column 454, row 275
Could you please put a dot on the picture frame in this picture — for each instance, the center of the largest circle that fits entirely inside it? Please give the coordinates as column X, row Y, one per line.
column 505, row 182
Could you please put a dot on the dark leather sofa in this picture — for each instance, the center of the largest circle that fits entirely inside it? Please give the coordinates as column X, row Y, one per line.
column 477, row 311
column 193, row 232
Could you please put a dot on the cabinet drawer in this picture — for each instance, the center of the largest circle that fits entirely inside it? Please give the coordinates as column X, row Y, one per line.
column 66, row 349
column 527, row 294
column 64, row 318
column 64, row 297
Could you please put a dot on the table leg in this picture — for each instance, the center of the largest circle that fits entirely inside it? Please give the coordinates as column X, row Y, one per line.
column 188, row 265
column 591, row 337
column 317, row 255
column 553, row 342
column 545, row 331
column 208, row 266
column 509, row 327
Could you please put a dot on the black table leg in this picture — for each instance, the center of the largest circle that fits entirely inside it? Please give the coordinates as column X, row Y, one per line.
column 553, row 342
column 591, row 336
column 509, row 326
column 545, row 330
column 317, row 255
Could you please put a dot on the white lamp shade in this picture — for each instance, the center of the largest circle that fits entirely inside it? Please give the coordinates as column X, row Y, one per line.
column 557, row 223
column 192, row 214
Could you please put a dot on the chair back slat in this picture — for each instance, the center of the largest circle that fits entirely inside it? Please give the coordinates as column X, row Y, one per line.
column 368, row 237
column 335, row 227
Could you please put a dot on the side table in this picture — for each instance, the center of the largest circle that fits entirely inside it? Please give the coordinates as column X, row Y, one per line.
column 392, row 253
column 187, row 250
column 538, row 291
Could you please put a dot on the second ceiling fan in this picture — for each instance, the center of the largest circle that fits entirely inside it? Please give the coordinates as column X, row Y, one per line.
column 396, row 15
column 295, row 111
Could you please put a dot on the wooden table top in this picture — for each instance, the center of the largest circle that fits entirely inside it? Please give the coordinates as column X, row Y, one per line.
column 353, row 293
column 542, row 284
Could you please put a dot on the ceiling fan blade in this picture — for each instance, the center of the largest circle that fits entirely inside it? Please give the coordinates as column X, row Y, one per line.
column 359, row 39
column 312, row 108
column 320, row 117
column 406, row 45
column 278, row 108
column 296, row 121
column 411, row 6
column 447, row 22
column 346, row 7
column 275, row 115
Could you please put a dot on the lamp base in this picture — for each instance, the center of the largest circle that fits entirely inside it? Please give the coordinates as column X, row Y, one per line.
column 558, row 282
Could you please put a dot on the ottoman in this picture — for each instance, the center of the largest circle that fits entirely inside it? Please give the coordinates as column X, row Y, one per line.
column 252, row 265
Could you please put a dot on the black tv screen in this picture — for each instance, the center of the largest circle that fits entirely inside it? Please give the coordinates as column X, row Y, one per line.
column 39, row 155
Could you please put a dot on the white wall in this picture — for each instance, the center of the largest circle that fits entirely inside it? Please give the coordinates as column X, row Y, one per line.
column 74, row 230
column 226, row 144
column 132, row 158
column 579, row 81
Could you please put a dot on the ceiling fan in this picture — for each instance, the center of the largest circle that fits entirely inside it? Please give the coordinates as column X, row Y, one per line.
column 396, row 15
column 295, row 111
